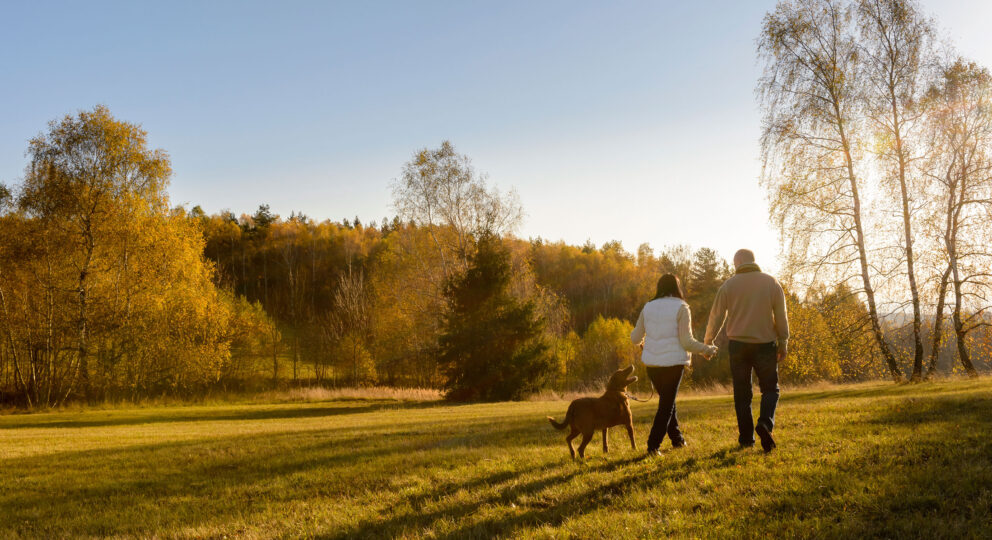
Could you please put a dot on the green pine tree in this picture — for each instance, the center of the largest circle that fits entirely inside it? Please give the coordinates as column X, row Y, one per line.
column 492, row 347
column 706, row 274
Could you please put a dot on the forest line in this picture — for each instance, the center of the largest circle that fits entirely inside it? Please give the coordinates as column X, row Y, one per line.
column 108, row 292
column 877, row 152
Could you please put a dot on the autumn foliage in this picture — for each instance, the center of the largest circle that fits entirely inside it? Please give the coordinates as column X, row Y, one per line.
column 109, row 292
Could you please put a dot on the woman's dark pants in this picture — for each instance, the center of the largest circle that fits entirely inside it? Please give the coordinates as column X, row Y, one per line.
column 666, row 382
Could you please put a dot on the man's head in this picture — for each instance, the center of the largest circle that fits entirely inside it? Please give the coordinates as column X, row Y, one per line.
column 743, row 256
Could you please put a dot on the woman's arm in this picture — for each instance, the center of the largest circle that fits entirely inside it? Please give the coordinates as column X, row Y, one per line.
column 637, row 335
column 688, row 342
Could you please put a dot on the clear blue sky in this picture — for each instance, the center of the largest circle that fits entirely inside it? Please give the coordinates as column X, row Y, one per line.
column 613, row 120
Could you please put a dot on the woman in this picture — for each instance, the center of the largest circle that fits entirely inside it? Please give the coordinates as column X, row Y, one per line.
column 664, row 331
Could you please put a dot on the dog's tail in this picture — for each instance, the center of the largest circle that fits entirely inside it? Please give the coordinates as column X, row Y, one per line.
column 564, row 423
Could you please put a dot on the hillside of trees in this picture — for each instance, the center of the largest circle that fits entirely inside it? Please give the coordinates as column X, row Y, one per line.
column 877, row 149
column 108, row 292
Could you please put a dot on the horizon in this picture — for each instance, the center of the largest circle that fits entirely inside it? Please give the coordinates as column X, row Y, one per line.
column 315, row 108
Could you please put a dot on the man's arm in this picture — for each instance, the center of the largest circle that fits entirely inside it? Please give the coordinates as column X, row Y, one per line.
column 718, row 313
column 781, row 320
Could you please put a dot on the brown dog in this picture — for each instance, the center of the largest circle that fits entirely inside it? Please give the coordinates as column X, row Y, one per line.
column 587, row 415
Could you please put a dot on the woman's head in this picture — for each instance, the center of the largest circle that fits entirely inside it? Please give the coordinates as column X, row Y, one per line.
column 669, row 285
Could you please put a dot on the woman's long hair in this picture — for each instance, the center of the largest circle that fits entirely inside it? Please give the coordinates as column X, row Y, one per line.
column 669, row 285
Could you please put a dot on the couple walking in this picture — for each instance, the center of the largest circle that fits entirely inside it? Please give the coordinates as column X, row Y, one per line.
column 752, row 304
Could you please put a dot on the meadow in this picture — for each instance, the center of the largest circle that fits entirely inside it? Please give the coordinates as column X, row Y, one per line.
column 909, row 461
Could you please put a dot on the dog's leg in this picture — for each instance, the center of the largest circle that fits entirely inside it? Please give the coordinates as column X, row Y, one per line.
column 568, row 440
column 586, row 437
column 606, row 446
column 630, row 433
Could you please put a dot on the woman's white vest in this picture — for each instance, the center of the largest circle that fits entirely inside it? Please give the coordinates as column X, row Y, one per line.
column 661, row 334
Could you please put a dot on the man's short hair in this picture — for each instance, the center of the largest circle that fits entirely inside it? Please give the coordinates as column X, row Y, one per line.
column 743, row 256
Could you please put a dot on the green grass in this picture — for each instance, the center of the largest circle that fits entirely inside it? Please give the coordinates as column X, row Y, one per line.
column 866, row 460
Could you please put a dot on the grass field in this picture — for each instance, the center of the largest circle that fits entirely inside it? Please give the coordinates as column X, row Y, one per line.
column 866, row 460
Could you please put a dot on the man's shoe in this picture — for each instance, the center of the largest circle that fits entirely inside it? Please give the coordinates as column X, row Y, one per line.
column 653, row 453
column 745, row 446
column 680, row 444
column 767, row 442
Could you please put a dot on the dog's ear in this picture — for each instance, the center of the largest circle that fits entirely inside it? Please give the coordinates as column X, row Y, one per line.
column 632, row 380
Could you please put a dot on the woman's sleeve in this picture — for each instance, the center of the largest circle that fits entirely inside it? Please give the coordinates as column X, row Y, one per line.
column 688, row 342
column 637, row 335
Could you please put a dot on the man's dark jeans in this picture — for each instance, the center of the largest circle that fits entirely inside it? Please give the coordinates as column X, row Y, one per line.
column 762, row 358
column 666, row 382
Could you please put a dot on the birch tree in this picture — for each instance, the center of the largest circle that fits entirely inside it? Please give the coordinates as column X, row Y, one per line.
column 440, row 189
column 812, row 140
column 897, row 44
column 961, row 130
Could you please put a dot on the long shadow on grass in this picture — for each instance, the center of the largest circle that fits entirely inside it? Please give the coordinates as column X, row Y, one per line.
column 628, row 479
column 931, row 461
column 260, row 412
column 226, row 478
column 927, row 473
column 504, row 484
column 537, row 506
column 924, row 472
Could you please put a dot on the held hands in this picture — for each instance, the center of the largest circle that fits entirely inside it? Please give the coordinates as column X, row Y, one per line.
column 710, row 352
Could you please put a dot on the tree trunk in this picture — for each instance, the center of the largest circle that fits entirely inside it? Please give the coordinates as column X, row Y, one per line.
column 910, row 270
column 952, row 257
column 50, row 335
column 275, row 360
column 961, row 333
column 959, row 330
column 296, row 356
column 18, row 378
column 938, row 319
column 244, row 271
column 84, row 372
column 896, row 56
column 862, row 252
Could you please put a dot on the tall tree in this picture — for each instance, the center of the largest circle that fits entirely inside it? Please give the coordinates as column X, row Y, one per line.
column 352, row 324
column 104, row 289
column 812, row 132
column 706, row 275
column 441, row 191
column 897, row 49
column 961, row 124
column 492, row 347
column 82, row 176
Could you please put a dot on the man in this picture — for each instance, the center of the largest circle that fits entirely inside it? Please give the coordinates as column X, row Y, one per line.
column 753, row 305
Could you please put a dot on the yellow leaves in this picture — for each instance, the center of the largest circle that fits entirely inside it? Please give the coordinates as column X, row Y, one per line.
column 813, row 352
column 112, row 258
column 884, row 142
column 353, row 356
column 604, row 347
